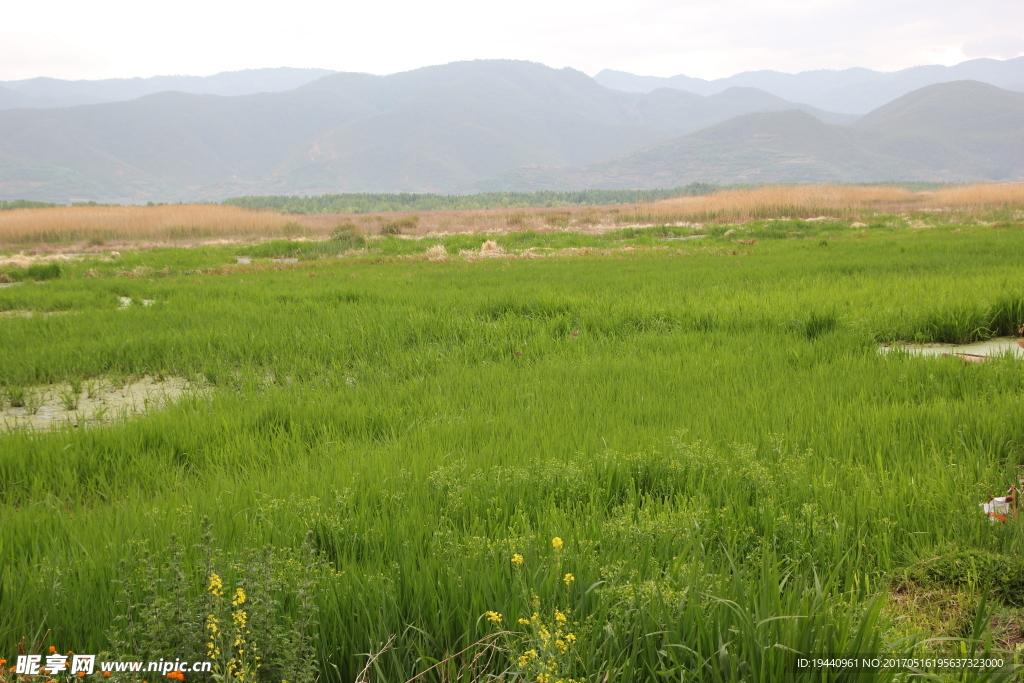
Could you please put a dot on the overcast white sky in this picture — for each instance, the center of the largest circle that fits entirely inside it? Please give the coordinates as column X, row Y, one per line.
column 705, row 38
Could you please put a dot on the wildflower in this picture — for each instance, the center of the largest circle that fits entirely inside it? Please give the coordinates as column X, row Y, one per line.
column 570, row 638
column 524, row 622
column 81, row 674
column 239, row 597
column 543, row 678
column 106, row 674
column 216, row 586
column 568, row 578
column 527, row 656
column 559, row 617
column 562, row 647
column 493, row 617
column 53, row 650
column 517, row 559
column 556, row 543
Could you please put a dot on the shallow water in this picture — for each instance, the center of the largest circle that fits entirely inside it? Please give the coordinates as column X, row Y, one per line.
column 97, row 402
column 991, row 348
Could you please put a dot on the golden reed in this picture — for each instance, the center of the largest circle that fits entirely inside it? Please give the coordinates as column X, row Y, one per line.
column 88, row 227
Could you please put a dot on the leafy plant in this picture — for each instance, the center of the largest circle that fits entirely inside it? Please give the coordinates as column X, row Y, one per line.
column 348, row 235
column 226, row 609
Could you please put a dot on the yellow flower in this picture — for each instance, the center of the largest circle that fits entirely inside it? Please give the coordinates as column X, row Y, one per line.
column 568, row 578
column 559, row 617
column 556, row 543
column 216, row 585
column 543, row 678
column 562, row 647
column 524, row 622
column 239, row 597
column 517, row 559
column 570, row 638
column 493, row 617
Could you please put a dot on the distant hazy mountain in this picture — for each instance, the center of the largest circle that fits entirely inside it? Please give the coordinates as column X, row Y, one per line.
column 952, row 131
column 52, row 92
column 437, row 129
column 850, row 91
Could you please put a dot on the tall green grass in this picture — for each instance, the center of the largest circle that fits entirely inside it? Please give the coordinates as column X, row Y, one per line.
column 735, row 472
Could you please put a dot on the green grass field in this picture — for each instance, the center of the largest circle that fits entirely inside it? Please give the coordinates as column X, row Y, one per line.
column 734, row 472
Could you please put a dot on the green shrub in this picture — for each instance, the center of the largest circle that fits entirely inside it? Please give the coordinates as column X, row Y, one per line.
column 348, row 235
column 400, row 225
column 954, row 567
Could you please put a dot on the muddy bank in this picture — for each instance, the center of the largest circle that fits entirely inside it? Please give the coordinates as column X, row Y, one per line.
column 92, row 402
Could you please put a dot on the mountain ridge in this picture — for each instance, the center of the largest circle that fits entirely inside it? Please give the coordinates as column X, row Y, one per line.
column 433, row 129
column 48, row 93
column 491, row 124
column 959, row 131
column 851, row 91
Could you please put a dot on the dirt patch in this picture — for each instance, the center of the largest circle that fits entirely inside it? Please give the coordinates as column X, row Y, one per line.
column 91, row 402
column 939, row 611
column 26, row 260
column 1007, row 631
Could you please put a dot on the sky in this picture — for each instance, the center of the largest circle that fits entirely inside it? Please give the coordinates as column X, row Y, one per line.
column 703, row 38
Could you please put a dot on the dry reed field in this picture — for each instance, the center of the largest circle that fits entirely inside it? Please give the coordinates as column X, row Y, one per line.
column 176, row 223
column 91, row 227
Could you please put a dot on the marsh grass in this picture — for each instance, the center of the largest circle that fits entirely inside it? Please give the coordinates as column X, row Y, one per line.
column 734, row 470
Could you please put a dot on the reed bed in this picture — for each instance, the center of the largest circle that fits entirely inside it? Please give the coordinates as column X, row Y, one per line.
column 98, row 225
column 91, row 228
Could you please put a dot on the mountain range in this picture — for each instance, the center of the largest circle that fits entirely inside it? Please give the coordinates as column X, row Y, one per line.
column 44, row 93
column 849, row 91
column 957, row 131
column 492, row 124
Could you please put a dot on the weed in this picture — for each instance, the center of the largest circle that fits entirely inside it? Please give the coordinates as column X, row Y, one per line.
column 32, row 400
column 16, row 396
column 229, row 611
column 348, row 235
column 818, row 324
column 559, row 219
column 69, row 397
column 399, row 225
column 958, row 567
